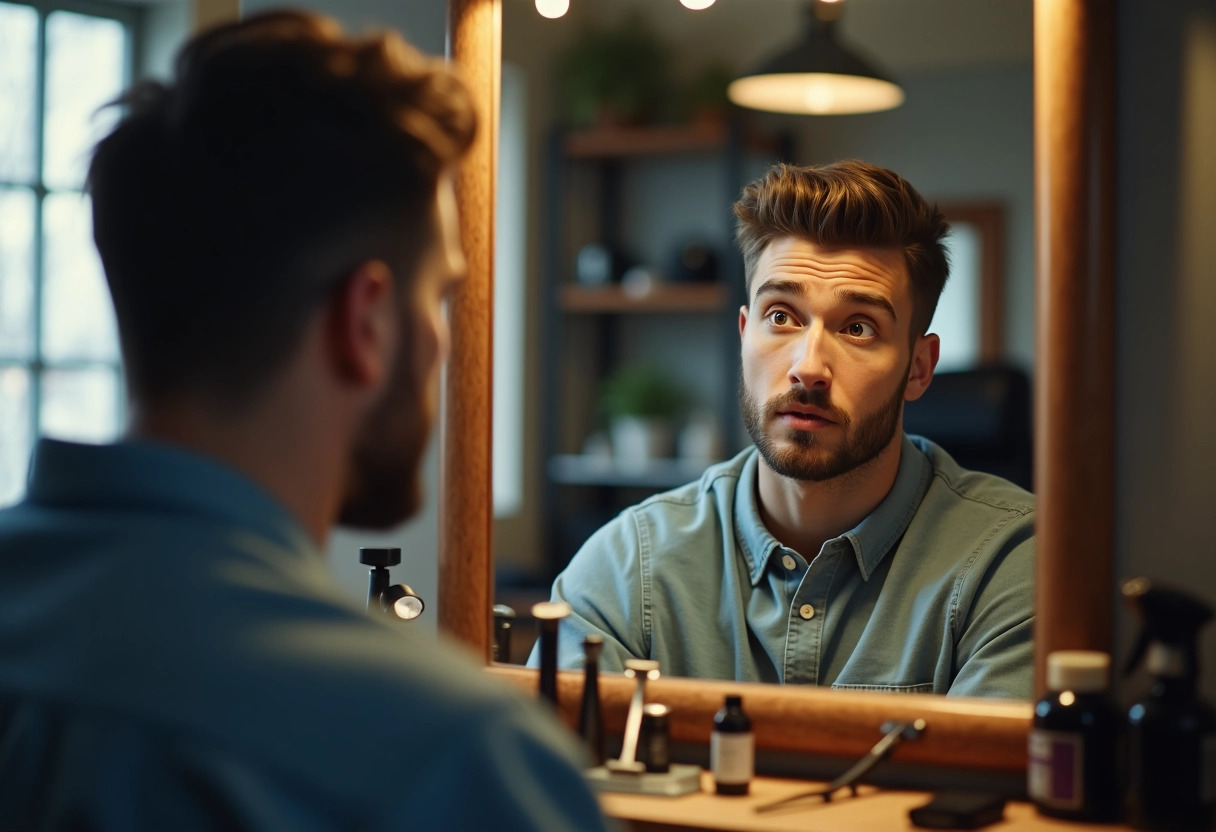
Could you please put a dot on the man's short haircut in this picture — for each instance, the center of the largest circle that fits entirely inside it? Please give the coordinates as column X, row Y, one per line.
column 848, row 204
column 230, row 201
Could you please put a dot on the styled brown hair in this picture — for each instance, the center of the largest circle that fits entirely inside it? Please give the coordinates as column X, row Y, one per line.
column 848, row 203
column 231, row 200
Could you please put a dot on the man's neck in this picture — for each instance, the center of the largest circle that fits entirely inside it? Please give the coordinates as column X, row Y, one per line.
column 803, row 515
column 283, row 456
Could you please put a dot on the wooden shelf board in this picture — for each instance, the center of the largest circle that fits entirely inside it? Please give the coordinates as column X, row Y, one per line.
column 677, row 297
column 608, row 142
column 657, row 140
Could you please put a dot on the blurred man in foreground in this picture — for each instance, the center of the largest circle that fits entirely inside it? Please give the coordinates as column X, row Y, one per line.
column 278, row 230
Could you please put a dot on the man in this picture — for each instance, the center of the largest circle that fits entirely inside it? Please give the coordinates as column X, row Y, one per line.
column 837, row 551
column 277, row 227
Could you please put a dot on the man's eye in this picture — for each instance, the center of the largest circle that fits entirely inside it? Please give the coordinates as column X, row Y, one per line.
column 779, row 318
column 860, row 329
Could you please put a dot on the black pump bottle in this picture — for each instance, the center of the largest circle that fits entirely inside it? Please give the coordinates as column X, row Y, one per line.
column 1171, row 739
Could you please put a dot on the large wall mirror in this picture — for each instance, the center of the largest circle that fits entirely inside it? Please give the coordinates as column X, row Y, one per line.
column 1069, row 234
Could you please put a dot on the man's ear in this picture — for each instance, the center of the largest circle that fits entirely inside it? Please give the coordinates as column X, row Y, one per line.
column 362, row 325
column 925, row 353
column 742, row 320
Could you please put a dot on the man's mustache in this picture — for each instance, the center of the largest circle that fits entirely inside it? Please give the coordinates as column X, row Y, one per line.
column 807, row 397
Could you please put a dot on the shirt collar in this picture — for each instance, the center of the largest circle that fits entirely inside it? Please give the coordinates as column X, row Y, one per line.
column 870, row 540
column 154, row 474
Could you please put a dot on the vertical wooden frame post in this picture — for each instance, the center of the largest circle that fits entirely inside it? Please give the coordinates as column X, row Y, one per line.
column 466, row 568
column 1074, row 393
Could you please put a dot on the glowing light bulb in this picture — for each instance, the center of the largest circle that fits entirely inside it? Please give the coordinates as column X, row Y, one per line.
column 697, row 5
column 820, row 98
column 554, row 8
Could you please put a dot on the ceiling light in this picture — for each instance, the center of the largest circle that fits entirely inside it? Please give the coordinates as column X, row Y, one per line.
column 697, row 5
column 818, row 76
column 554, row 8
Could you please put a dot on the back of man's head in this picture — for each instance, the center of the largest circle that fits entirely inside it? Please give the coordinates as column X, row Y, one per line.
column 230, row 201
column 848, row 204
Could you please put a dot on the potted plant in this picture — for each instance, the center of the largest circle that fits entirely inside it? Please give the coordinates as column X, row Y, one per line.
column 641, row 404
column 612, row 76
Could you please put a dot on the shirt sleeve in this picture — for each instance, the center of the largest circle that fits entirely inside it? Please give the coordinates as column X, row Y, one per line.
column 604, row 586
column 995, row 650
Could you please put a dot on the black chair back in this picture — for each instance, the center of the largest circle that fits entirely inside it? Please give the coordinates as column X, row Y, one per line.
column 982, row 418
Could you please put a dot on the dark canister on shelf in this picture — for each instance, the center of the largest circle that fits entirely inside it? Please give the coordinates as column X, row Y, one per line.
column 654, row 737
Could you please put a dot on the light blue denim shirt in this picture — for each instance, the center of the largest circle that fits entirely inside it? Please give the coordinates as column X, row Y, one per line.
column 933, row 592
column 174, row 654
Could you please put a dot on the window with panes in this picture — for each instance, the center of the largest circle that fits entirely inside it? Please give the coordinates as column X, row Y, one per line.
column 60, row 373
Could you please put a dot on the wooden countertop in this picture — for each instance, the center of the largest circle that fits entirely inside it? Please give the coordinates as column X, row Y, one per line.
column 874, row 810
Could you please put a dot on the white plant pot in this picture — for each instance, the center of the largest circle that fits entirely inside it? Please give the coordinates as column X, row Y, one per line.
column 636, row 441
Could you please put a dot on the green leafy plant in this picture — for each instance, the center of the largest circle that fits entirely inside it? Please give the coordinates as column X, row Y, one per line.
column 643, row 391
column 616, row 74
column 704, row 97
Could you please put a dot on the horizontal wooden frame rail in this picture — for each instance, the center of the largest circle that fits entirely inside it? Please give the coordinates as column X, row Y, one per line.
column 973, row 733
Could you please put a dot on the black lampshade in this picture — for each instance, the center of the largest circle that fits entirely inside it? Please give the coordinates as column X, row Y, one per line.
column 817, row 76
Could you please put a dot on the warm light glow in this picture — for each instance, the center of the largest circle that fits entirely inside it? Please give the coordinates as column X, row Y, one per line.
column 815, row 93
column 697, row 5
column 554, row 8
column 1067, row 698
column 408, row 608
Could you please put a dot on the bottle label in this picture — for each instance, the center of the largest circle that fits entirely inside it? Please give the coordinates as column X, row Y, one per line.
column 731, row 757
column 1054, row 776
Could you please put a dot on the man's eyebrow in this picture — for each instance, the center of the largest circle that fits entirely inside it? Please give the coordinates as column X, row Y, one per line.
column 867, row 299
column 776, row 286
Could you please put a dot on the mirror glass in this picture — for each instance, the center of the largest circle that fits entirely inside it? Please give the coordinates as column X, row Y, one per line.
column 618, row 239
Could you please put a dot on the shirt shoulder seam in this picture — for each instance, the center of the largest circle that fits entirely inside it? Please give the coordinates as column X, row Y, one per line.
column 1019, row 509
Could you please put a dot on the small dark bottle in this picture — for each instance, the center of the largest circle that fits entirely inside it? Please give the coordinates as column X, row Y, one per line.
column 732, row 750
column 1074, row 742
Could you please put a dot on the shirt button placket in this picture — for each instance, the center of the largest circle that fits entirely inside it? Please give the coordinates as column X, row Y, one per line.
column 806, row 621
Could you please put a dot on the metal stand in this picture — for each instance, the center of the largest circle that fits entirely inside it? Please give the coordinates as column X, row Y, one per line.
column 628, row 774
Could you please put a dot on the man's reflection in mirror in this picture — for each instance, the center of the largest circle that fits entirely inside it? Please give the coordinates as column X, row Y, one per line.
column 837, row 550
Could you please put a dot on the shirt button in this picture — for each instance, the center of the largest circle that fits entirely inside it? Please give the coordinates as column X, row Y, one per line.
column 788, row 562
column 807, row 611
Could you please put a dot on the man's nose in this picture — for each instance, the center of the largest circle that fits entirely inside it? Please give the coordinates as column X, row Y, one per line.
column 811, row 364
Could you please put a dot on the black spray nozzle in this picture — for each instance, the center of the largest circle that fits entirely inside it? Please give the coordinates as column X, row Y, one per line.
column 1171, row 617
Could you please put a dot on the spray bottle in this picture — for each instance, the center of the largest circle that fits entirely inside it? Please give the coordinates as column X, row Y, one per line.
column 1171, row 732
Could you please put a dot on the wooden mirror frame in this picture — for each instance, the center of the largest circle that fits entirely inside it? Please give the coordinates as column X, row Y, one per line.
column 1074, row 433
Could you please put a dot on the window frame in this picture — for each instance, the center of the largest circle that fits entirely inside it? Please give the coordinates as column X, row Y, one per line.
column 35, row 363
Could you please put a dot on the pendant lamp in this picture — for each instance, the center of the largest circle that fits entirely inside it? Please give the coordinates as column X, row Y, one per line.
column 818, row 76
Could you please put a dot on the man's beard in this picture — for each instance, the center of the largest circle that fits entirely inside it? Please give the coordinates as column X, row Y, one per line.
column 383, row 485
column 871, row 436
